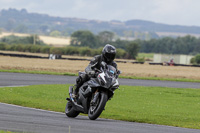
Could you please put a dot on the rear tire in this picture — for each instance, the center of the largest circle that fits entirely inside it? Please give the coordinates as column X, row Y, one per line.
column 69, row 110
column 95, row 111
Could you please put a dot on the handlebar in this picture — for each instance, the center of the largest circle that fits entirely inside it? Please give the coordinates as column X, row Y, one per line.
column 97, row 70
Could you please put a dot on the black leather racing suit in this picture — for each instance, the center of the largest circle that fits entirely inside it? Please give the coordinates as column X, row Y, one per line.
column 90, row 72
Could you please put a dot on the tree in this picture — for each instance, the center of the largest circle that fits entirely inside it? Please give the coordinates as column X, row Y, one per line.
column 21, row 29
column 105, row 37
column 55, row 33
column 169, row 45
column 132, row 49
column 197, row 59
column 120, row 43
column 84, row 38
column 33, row 39
column 128, row 34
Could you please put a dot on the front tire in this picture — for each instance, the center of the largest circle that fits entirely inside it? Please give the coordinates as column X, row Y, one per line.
column 69, row 110
column 95, row 111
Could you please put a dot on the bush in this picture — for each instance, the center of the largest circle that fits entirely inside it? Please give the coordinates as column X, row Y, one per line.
column 195, row 60
column 192, row 61
column 2, row 46
column 120, row 53
column 7, row 47
column 140, row 59
column 85, row 51
column 69, row 50
column 54, row 50
column 13, row 48
column 35, row 49
column 45, row 49
column 132, row 49
column 27, row 48
column 20, row 48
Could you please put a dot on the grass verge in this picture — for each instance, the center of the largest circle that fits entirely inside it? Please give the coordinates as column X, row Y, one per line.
column 75, row 74
column 156, row 105
column 1, row 131
column 38, row 72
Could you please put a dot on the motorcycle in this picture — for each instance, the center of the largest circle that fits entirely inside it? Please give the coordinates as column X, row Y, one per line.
column 93, row 94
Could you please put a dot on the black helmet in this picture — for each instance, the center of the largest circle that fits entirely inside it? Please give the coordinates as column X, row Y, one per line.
column 109, row 53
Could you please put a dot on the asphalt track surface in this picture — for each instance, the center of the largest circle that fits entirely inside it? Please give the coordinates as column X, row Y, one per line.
column 16, row 118
column 22, row 119
column 20, row 79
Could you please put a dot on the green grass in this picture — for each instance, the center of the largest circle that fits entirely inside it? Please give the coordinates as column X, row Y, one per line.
column 37, row 72
column 1, row 131
column 156, row 105
column 75, row 74
column 162, row 79
column 4, row 131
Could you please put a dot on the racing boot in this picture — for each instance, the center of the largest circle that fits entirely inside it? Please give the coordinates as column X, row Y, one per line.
column 76, row 87
column 75, row 91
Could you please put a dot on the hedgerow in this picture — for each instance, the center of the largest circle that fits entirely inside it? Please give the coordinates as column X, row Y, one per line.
column 69, row 50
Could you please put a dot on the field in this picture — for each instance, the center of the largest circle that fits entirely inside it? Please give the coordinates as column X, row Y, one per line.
column 128, row 69
column 55, row 41
column 156, row 105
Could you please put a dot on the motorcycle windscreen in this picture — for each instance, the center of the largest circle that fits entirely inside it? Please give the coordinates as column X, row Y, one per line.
column 111, row 71
column 112, row 74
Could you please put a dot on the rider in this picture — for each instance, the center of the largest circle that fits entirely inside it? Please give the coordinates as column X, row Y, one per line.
column 108, row 56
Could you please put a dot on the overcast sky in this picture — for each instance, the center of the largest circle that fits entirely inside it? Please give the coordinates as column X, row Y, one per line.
column 175, row 12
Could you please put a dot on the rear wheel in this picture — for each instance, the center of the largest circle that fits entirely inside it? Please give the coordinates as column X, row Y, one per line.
column 96, row 109
column 69, row 110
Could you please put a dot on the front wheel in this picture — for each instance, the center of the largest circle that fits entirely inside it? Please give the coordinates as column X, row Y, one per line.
column 95, row 110
column 69, row 110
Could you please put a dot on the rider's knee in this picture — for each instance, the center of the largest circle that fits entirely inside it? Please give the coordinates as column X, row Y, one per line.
column 82, row 78
column 79, row 80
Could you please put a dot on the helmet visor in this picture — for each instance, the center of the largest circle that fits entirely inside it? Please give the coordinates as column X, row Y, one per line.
column 110, row 56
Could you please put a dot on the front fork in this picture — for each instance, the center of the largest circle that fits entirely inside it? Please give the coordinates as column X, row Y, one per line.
column 96, row 96
column 71, row 93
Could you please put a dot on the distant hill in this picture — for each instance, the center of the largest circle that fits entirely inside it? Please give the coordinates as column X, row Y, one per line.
column 21, row 21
